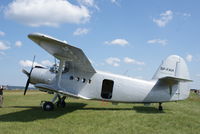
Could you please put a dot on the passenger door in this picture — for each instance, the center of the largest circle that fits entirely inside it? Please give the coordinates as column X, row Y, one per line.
column 107, row 89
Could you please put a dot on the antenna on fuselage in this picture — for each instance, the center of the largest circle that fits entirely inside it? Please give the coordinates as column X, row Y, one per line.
column 126, row 72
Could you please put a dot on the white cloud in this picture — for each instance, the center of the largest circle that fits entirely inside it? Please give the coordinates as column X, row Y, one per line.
column 186, row 15
column 46, row 12
column 113, row 61
column 81, row 31
column 128, row 60
column 133, row 61
column 189, row 57
column 120, row 42
column 114, row 1
column 2, row 33
column 18, row 43
column 87, row 3
column 47, row 63
column 28, row 63
column 3, row 46
column 158, row 41
column 165, row 18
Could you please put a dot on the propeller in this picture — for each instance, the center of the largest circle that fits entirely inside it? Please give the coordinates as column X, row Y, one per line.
column 55, row 61
column 25, row 72
column 29, row 76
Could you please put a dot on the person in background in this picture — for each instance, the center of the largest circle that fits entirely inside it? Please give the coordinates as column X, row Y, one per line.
column 1, row 96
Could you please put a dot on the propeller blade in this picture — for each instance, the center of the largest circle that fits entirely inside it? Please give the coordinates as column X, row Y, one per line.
column 25, row 72
column 29, row 75
column 33, row 62
column 27, row 84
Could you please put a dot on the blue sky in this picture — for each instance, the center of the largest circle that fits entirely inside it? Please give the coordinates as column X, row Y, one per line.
column 128, row 37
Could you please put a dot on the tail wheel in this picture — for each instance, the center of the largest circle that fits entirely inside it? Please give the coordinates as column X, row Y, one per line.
column 160, row 108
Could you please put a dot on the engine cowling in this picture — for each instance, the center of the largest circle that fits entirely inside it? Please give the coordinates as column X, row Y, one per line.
column 41, row 75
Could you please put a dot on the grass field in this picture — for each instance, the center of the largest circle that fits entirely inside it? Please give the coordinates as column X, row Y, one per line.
column 23, row 115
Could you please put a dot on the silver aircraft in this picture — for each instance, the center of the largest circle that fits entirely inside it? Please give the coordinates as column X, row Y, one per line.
column 75, row 77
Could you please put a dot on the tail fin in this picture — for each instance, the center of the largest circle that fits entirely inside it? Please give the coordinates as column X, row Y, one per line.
column 174, row 76
column 173, row 66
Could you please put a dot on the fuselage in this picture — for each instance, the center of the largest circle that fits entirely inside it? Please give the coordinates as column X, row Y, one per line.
column 110, row 87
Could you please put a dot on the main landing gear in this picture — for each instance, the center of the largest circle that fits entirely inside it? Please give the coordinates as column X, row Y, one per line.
column 49, row 105
column 160, row 108
column 61, row 102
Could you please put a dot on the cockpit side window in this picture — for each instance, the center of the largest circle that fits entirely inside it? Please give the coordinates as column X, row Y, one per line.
column 77, row 78
column 66, row 68
column 83, row 80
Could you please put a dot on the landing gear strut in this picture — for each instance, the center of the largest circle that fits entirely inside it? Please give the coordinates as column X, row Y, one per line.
column 160, row 108
column 61, row 102
column 49, row 105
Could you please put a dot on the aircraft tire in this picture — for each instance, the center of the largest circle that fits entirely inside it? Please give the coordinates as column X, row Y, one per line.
column 48, row 106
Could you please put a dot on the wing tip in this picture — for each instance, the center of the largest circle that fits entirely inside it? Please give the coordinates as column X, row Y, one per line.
column 36, row 35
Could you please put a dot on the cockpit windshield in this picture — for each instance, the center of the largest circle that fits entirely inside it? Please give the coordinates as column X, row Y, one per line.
column 55, row 68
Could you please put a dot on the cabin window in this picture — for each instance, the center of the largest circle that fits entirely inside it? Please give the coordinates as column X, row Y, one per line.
column 107, row 89
column 66, row 69
column 83, row 80
column 89, row 81
column 71, row 77
column 77, row 78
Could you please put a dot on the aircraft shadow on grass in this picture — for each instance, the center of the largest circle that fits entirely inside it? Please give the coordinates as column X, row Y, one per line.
column 148, row 110
column 33, row 113
column 138, row 109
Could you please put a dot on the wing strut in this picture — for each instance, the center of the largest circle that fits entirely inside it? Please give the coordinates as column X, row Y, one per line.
column 60, row 69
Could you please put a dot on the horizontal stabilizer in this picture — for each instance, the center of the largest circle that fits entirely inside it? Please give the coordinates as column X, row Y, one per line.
column 170, row 79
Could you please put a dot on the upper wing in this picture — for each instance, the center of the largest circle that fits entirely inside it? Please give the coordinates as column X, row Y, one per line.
column 62, row 50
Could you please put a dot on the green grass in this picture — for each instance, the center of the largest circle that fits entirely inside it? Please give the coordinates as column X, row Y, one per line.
column 23, row 115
